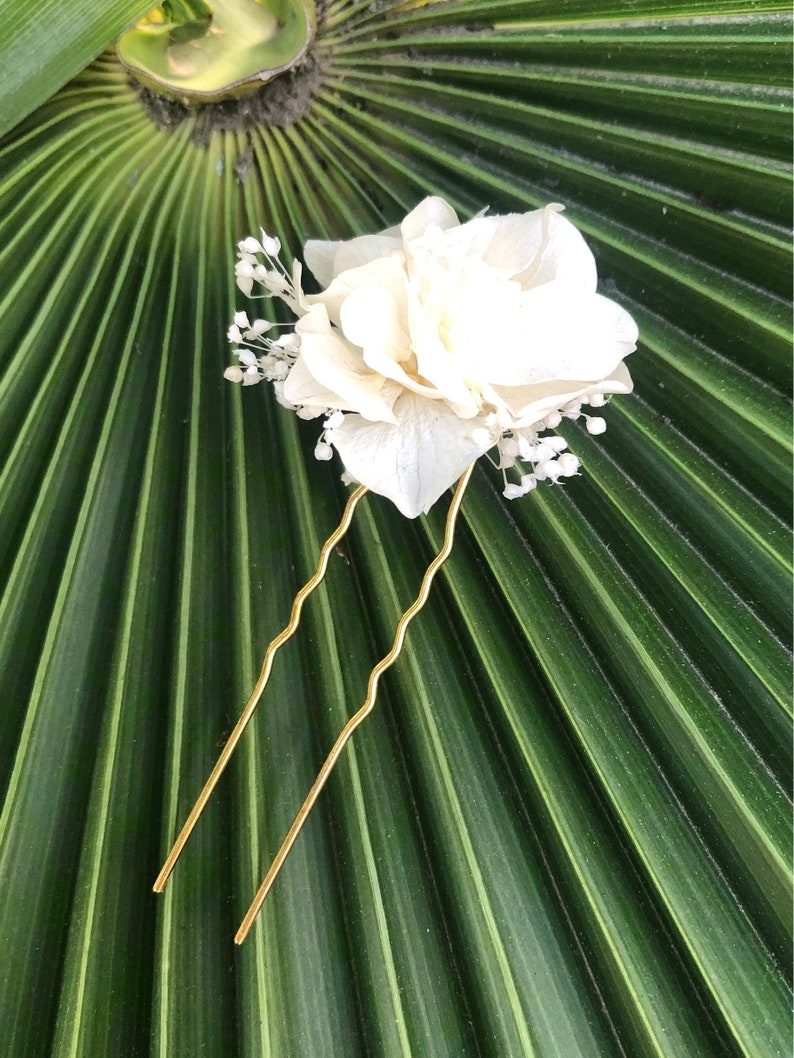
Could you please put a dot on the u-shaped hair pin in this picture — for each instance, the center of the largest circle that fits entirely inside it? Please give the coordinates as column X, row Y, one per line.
column 349, row 728
column 429, row 345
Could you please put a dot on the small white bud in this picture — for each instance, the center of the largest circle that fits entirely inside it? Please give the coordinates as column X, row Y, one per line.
column 289, row 341
column 241, row 319
column 246, row 357
column 260, row 326
column 270, row 244
column 250, row 245
column 596, row 425
column 568, row 464
column 573, row 410
column 233, row 334
column 559, row 444
column 551, row 422
column 274, row 282
column 528, row 483
column 542, row 452
column 251, row 376
column 323, row 451
column 596, row 400
column 278, row 389
column 549, row 469
column 233, row 374
column 525, row 447
column 512, row 492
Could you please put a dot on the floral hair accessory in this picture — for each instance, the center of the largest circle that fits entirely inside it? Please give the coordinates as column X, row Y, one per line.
column 429, row 345
column 435, row 341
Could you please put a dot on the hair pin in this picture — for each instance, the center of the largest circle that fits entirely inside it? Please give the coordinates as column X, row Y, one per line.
column 429, row 345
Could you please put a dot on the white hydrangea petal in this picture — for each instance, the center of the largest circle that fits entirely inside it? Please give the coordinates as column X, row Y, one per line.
column 452, row 333
column 376, row 317
column 363, row 251
column 414, row 460
column 555, row 335
column 302, row 389
column 531, row 404
column 510, row 244
column 339, row 369
column 327, row 260
column 564, row 254
column 319, row 257
column 386, row 272
column 431, row 212
column 619, row 381
column 373, row 318
column 517, row 240
column 438, row 364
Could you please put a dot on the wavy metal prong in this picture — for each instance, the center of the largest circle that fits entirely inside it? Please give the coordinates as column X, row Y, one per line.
column 261, row 683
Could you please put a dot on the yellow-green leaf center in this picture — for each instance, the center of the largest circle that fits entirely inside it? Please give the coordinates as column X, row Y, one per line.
column 200, row 52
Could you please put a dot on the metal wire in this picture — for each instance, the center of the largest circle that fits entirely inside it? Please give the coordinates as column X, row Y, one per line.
column 258, row 690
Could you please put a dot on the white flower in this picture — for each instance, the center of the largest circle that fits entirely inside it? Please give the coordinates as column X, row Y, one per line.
column 437, row 341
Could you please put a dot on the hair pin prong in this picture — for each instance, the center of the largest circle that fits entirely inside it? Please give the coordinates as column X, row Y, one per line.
column 258, row 691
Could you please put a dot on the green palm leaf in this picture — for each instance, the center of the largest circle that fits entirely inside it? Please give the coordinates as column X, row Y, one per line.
column 566, row 832
column 43, row 47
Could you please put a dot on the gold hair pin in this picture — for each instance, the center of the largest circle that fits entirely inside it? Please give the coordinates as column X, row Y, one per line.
column 430, row 344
